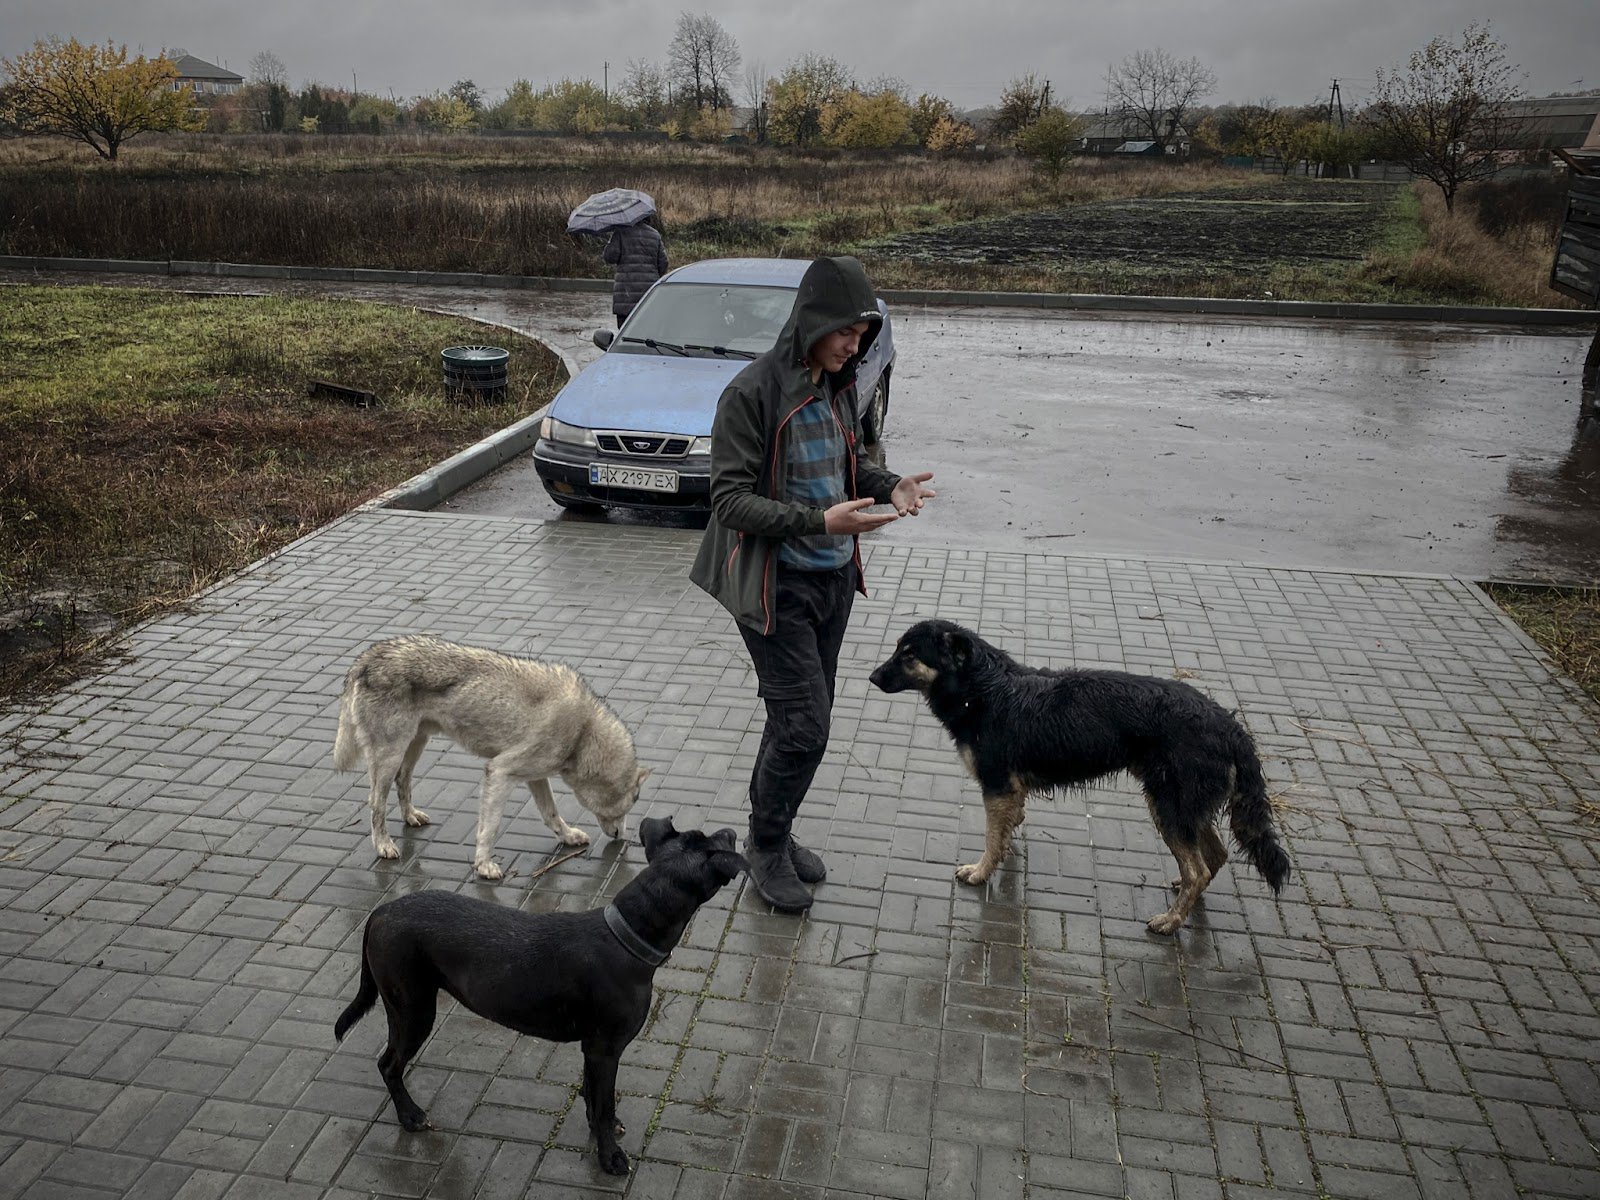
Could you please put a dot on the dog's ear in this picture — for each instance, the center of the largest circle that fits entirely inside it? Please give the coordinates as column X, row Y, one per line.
column 728, row 863
column 958, row 644
column 653, row 831
column 644, row 773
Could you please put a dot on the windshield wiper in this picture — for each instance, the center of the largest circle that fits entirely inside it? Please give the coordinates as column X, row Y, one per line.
column 655, row 345
column 722, row 350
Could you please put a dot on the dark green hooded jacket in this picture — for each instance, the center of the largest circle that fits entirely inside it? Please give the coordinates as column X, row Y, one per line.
column 750, row 514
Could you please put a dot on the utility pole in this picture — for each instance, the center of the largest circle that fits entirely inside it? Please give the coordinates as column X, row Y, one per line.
column 1336, row 100
column 355, row 88
column 605, row 85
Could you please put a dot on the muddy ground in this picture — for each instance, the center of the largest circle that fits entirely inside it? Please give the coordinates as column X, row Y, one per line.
column 1296, row 221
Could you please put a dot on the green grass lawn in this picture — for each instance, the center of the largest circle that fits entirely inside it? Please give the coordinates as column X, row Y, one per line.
column 151, row 442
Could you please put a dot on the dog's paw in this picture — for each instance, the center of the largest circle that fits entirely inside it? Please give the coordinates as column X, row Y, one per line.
column 387, row 849
column 574, row 837
column 489, row 870
column 416, row 818
column 1166, row 923
column 613, row 1161
column 973, row 873
column 414, row 1121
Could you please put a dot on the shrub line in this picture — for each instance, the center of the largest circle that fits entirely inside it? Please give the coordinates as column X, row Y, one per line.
column 1337, row 310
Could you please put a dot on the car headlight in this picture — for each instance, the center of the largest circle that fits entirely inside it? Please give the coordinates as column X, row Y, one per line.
column 700, row 446
column 552, row 430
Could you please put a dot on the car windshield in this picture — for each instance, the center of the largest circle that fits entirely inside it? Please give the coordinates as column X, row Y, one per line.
column 738, row 320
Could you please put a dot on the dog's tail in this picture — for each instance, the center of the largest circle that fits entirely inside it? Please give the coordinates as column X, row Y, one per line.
column 1250, row 815
column 346, row 746
column 366, row 996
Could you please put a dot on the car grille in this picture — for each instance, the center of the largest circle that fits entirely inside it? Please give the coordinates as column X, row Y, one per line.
column 643, row 445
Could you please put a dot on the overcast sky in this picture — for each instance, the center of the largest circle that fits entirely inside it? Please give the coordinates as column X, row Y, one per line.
column 1287, row 50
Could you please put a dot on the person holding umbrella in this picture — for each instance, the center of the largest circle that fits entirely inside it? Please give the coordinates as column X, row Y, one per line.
column 640, row 258
column 634, row 248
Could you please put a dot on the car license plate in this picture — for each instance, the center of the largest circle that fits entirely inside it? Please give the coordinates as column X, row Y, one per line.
column 643, row 479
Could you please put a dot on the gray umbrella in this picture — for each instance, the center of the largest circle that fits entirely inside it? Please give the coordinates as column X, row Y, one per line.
column 609, row 209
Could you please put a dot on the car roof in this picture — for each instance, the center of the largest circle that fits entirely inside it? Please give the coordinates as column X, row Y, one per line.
column 767, row 272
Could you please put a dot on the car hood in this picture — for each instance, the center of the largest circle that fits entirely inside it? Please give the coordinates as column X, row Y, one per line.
column 647, row 392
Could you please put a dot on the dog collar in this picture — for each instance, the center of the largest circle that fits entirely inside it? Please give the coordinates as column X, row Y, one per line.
column 631, row 941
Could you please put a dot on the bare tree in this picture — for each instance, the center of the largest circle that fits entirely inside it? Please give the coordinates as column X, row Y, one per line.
column 756, row 82
column 1446, row 113
column 267, row 68
column 1153, row 92
column 702, row 60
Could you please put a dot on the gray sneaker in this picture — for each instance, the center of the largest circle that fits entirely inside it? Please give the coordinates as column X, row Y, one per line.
column 807, row 863
column 773, row 874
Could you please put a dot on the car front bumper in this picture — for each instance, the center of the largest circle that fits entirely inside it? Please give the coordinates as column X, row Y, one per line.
column 564, row 470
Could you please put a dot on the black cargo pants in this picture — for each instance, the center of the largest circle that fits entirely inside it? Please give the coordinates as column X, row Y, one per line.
column 795, row 666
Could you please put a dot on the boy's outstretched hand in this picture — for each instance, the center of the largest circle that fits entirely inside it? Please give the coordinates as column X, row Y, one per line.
column 909, row 494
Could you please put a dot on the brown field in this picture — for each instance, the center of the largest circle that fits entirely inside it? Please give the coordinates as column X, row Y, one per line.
column 469, row 203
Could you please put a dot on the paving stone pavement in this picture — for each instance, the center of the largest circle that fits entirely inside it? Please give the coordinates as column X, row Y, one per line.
column 185, row 877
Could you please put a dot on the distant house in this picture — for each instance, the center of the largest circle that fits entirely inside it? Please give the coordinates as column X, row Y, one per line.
column 1115, row 133
column 207, row 79
column 1554, row 123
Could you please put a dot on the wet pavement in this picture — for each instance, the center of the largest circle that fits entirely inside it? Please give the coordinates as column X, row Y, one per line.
column 1296, row 443
column 184, row 880
column 1334, row 444
column 184, row 876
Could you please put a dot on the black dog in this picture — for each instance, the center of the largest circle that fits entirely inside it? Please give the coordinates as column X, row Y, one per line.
column 566, row 977
column 1026, row 729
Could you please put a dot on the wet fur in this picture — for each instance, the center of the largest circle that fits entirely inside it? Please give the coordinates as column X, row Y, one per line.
column 560, row 976
column 527, row 720
column 1023, row 729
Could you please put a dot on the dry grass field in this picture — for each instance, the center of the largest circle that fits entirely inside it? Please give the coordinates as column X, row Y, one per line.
column 499, row 205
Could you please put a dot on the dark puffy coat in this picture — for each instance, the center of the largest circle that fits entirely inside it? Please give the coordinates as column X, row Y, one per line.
column 640, row 258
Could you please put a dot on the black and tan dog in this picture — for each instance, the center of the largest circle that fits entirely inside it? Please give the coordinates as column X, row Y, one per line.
column 1026, row 729
column 566, row 977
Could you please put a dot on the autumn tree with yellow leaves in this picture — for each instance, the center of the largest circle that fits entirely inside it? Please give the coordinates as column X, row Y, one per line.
column 94, row 94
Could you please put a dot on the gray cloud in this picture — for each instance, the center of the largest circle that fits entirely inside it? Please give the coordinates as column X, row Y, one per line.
column 1288, row 50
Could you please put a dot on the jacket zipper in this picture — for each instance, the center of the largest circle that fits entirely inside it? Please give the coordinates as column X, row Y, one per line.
column 772, row 485
column 855, row 545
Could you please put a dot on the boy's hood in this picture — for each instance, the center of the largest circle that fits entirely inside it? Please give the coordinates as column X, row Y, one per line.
column 833, row 293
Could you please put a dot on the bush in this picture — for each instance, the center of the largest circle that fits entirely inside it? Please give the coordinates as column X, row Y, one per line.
column 950, row 136
column 1502, row 205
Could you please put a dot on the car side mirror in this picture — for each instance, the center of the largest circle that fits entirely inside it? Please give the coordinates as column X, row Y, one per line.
column 603, row 338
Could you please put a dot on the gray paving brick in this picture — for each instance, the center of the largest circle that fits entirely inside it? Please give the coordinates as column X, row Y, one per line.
column 1415, row 1016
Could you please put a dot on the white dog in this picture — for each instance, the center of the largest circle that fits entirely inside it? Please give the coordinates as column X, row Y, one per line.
column 529, row 720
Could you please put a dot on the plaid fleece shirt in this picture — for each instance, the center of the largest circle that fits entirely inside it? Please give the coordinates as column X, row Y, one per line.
column 814, row 474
